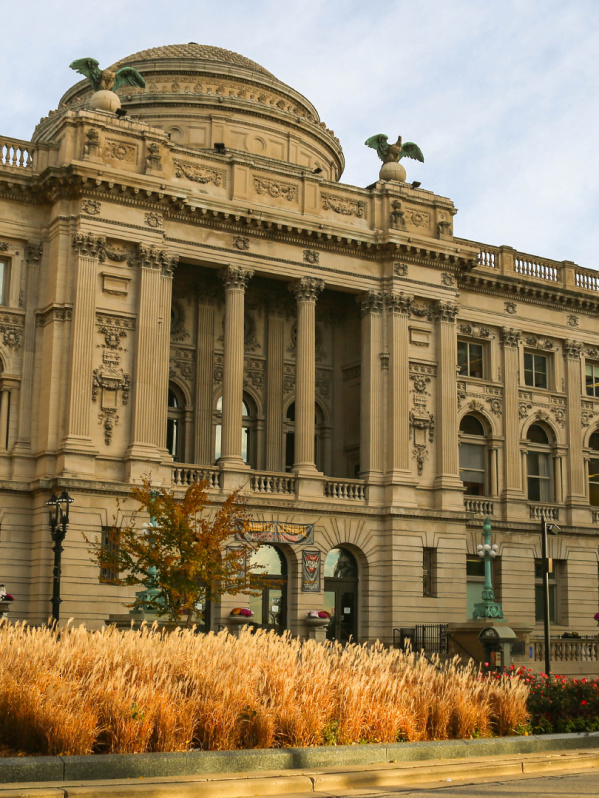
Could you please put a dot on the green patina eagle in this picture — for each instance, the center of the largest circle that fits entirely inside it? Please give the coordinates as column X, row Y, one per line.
column 393, row 153
column 107, row 79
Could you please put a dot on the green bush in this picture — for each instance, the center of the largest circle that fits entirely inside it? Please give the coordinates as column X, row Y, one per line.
column 559, row 704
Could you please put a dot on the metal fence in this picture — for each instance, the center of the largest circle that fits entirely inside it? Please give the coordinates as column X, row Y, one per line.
column 428, row 637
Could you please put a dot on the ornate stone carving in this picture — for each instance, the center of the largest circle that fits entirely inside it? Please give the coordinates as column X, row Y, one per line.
column 241, row 242
column 250, row 339
column 33, row 251
column 153, row 159
column 21, row 298
column 475, row 331
column 560, row 415
column 91, row 207
column 524, row 409
column 120, row 151
column 116, row 255
column 542, row 415
column 110, row 378
column 113, row 328
column 417, row 218
column 371, row 302
column 12, row 336
column 153, row 220
column 423, row 420
column 108, row 418
column 400, row 269
column 539, row 343
column 3, row 246
column 421, row 311
column 420, row 453
column 178, row 331
column 592, row 352
column 318, row 342
column 510, row 307
column 343, row 206
column 276, row 189
column 153, row 258
column 384, row 358
column 91, row 148
column 236, row 277
column 397, row 216
column 307, row 289
column 476, row 405
column 53, row 314
column 88, row 245
column 199, row 174
column 444, row 311
column 311, row 256
column 509, row 336
column 573, row 349
column 447, row 278
column 182, row 360
column 398, row 302
column 573, row 321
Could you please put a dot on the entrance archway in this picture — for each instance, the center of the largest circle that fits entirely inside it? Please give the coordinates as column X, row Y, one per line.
column 270, row 606
column 341, row 594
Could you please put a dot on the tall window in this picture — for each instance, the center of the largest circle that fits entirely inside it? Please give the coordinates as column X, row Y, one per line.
column 3, row 281
column 594, row 470
column 536, row 369
column 248, row 431
column 539, row 465
column 429, row 572
column 110, row 543
column 554, row 567
column 473, row 457
column 174, row 423
column 270, row 605
column 592, row 379
column 470, row 359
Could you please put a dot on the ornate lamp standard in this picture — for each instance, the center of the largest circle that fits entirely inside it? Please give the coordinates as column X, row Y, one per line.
column 59, row 521
column 488, row 607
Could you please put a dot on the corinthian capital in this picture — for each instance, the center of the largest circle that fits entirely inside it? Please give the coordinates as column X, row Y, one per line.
column 153, row 258
column 398, row 302
column 236, row 277
column 307, row 289
column 90, row 246
column 371, row 303
column 509, row 336
column 573, row 349
column 444, row 311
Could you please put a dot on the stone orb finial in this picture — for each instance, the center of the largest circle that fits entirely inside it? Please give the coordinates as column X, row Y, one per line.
column 393, row 171
column 106, row 101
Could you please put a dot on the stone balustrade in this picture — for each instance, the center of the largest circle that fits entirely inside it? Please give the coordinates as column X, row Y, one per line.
column 538, row 512
column 345, row 489
column 186, row 475
column 16, row 154
column 567, row 650
column 479, row 506
column 272, row 483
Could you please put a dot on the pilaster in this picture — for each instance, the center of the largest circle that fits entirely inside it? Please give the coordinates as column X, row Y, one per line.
column 512, row 481
column 371, row 454
column 576, row 490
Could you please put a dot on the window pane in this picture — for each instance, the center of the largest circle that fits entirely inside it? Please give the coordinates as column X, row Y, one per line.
column 474, row 595
column 217, row 443
column 271, row 559
column 463, row 358
column 245, row 443
column 2, row 270
column 340, row 563
column 540, row 365
column 590, row 382
column 476, row 360
column 539, row 615
column 470, row 425
column 594, row 441
column 534, row 489
column 533, row 463
column 528, row 369
column 472, row 456
column 537, row 434
column 475, row 566
column 172, row 441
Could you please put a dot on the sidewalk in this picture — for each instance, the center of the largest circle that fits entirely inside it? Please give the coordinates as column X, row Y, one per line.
column 323, row 782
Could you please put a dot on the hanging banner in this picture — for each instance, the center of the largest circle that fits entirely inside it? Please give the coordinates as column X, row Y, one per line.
column 310, row 571
column 277, row 532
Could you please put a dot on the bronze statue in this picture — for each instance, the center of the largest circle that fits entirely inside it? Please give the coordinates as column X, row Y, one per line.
column 107, row 79
column 393, row 153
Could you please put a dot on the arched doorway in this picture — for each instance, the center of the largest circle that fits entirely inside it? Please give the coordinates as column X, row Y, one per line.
column 270, row 606
column 341, row 594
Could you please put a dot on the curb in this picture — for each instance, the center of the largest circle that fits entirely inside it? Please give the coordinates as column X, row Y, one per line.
column 15, row 770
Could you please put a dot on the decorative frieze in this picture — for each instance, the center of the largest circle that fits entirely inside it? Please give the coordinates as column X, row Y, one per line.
column 511, row 308
column 475, row 331
column 343, row 206
column 154, row 220
column 448, row 279
column 400, row 269
column 371, row 303
column 120, row 151
column 114, row 328
column 241, row 243
column 91, row 207
column 253, row 372
column 539, row 343
column 573, row 321
column 199, row 174
column 52, row 314
column 311, row 256
column 417, row 218
column 276, row 189
column 3, row 246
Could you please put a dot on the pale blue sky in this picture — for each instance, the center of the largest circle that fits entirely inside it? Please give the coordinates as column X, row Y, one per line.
column 501, row 95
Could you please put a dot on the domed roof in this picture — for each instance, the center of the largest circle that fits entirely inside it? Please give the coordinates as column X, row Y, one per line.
column 204, row 52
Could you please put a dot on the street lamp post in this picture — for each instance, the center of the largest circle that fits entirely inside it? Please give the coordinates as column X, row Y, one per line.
column 59, row 521
column 488, row 607
column 551, row 529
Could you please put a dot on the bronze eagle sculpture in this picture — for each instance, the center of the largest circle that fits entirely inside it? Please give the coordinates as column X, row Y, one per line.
column 107, row 79
column 393, row 153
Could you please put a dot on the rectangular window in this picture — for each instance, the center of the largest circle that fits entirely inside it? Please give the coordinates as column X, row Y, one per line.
column 475, row 581
column 553, row 591
column 592, row 379
column 110, row 543
column 429, row 572
column 3, row 281
column 470, row 359
column 540, row 487
column 473, row 470
column 536, row 370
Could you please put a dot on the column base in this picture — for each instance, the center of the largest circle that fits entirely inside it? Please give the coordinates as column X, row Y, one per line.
column 449, row 493
column 234, row 475
column 76, row 457
column 309, row 483
column 400, row 488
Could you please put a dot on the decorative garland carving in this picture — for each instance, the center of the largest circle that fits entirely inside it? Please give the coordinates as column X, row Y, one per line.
column 108, row 418
column 474, row 331
column 12, row 336
column 343, row 206
column 420, row 452
column 276, row 189
column 539, row 343
column 199, row 174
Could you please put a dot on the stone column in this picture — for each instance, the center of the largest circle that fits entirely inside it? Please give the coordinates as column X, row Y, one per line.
column 448, row 484
column 203, row 446
column 512, row 482
column 4, row 404
column 371, row 455
column 576, row 492
column 152, row 346
column 399, row 478
column 274, row 388
column 89, row 249
column 306, row 291
column 235, row 279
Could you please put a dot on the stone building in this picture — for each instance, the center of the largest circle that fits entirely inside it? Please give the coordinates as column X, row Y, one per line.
column 189, row 291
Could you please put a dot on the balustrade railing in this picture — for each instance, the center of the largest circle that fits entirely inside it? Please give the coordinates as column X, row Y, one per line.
column 488, row 258
column 567, row 650
column 348, row 489
column 267, row 482
column 15, row 153
column 479, row 506
column 587, row 280
column 540, row 269
column 549, row 512
column 186, row 475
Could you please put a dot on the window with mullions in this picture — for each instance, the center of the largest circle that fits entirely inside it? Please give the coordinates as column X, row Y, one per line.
column 110, row 543
column 592, row 379
column 539, row 465
column 473, row 457
column 594, row 470
column 470, row 359
column 553, row 591
column 429, row 572
column 536, row 370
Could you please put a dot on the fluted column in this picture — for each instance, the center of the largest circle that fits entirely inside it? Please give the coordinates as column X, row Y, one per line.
column 576, row 492
column 512, row 480
column 203, row 446
column 371, row 455
column 306, row 291
column 235, row 279
column 149, row 411
column 447, row 481
column 88, row 249
column 274, row 389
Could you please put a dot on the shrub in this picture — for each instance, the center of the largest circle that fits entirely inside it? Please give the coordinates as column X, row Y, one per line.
column 559, row 704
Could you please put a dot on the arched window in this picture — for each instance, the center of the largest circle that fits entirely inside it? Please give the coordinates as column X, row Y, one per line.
column 175, row 423
column 270, row 606
column 539, row 465
column 290, row 437
column 473, row 457
column 341, row 594
column 248, row 430
column 594, row 470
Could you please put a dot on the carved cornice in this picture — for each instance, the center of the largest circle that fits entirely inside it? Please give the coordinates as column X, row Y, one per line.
column 235, row 277
column 509, row 336
column 307, row 289
column 153, row 258
column 397, row 302
column 89, row 245
column 371, row 303
column 444, row 311
column 54, row 313
column 573, row 349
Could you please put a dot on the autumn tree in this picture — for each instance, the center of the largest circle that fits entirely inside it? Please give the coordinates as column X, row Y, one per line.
column 182, row 553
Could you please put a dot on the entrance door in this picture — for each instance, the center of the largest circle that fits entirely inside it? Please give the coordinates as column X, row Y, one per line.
column 269, row 606
column 341, row 595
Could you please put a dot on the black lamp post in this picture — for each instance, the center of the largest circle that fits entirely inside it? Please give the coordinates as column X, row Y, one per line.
column 59, row 520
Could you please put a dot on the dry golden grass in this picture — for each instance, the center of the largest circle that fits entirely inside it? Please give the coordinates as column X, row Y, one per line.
column 125, row 692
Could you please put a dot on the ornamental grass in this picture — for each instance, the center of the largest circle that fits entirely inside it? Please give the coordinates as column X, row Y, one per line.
column 108, row 691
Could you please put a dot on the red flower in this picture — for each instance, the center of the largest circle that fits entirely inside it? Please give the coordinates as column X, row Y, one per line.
column 582, row 703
